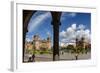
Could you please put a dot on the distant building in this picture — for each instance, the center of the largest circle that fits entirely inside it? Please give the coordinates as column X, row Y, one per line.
column 28, row 45
column 38, row 43
column 67, row 43
column 82, row 43
column 79, row 42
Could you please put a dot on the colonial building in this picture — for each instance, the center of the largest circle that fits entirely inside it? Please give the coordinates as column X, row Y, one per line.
column 41, row 44
column 82, row 43
column 78, row 43
column 38, row 43
column 28, row 45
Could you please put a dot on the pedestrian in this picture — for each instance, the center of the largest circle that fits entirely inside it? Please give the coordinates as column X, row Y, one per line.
column 30, row 59
column 76, row 56
column 33, row 57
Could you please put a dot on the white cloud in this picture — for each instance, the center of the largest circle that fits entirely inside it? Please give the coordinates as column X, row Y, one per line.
column 80, row 33
column 72, row 14
column 28, row 39
column 48, row 33
column 67, row 14
column 71, row 30
column 37, row 20
column 63, row 34
column 81, row 27
column 84, row 33
column 74, row 26
column 70, row 34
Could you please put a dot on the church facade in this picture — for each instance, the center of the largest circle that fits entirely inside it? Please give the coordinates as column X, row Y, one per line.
column 39, row 44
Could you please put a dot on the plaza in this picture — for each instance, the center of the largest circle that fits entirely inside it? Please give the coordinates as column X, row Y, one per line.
column 64, row 57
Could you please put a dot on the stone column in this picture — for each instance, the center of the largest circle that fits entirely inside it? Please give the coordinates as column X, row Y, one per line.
column 56, row 22
column 26, row 17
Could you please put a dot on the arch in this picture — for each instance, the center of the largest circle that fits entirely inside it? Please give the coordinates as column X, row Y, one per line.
column 27, row 14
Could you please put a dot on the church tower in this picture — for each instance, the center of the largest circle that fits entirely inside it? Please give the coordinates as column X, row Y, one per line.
column 36, row 42
column 49, row 42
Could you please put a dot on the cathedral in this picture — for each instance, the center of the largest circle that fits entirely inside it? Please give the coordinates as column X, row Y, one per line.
column 38, row 43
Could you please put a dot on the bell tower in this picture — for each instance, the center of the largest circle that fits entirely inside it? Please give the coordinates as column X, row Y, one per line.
column 36, row 41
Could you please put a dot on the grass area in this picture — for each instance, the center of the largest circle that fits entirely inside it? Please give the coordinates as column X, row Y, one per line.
column 50, row 51
column 31, row 51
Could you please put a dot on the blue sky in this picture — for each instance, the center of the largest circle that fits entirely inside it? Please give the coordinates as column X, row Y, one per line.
column 69, row 18
column 40, row 24
column 71, row 22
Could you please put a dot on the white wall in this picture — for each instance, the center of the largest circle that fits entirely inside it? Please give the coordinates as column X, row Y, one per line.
column 5, row 35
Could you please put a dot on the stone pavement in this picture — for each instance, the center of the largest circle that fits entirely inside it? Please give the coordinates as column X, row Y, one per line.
column 65, row 56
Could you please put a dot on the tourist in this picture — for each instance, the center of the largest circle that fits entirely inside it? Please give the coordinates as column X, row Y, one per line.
column 33, row 57
column 30, row 59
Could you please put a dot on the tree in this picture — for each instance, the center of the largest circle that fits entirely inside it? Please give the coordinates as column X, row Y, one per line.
column 88, row 48
column 70, row 48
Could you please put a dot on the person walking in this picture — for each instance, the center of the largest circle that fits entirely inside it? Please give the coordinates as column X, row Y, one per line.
column 33, row 57
column 30, row 59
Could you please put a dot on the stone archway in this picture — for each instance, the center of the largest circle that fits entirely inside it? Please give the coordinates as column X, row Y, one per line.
column 26, row 17
column 27, row 14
